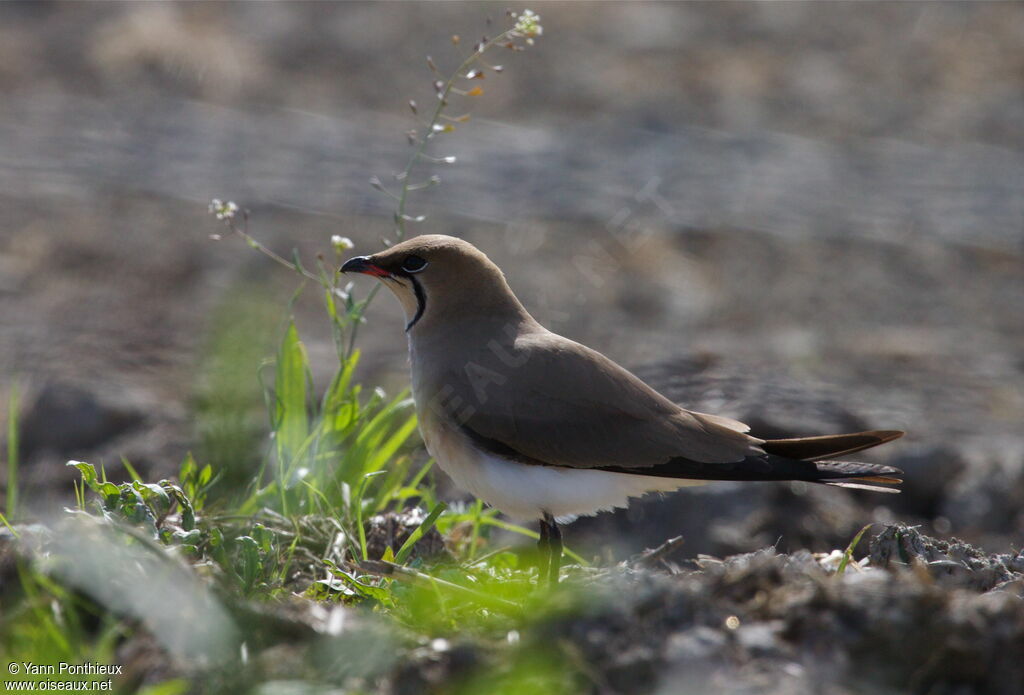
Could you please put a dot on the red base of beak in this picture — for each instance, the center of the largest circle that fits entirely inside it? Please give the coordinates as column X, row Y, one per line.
column 362, row 264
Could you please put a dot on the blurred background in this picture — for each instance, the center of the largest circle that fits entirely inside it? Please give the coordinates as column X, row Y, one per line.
column 809, row 216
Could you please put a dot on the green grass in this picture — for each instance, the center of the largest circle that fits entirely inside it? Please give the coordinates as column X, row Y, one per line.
column 167, row 562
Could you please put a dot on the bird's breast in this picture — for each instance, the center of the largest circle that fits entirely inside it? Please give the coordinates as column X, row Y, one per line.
column 438, row 437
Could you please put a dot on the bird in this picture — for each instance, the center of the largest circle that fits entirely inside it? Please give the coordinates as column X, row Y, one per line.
column 540, row 426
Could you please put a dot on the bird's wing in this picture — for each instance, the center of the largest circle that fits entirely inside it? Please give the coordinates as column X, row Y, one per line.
column 548, row 400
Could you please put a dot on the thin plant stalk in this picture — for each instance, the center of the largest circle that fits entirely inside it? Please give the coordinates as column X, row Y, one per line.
column 12, row 453
column 442, row 101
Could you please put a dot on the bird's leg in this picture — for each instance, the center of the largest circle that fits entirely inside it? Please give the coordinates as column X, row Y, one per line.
column 555, row 543
column 543, row 551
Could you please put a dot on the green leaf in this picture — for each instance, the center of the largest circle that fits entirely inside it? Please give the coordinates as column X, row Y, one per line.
column 188, row 537
column 153, row 493
column 134, row 506
column 365, row 590
column 291, row 392
column 88, row 472
column 188, row 512
column 264, row 537
column 250, row 560
column 110, row 493
column 326, row 589
column 338, row 397
column 297, row 260
column 188, row 467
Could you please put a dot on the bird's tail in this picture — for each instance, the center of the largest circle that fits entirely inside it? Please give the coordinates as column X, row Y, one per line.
column 851, row 474
column 807, row 459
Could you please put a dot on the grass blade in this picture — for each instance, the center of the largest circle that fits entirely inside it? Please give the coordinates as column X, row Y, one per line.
column 12, row 453
column 388, row 569
column 848, row 553
column 14, row 531
column 357, row 501
column 131, row 470
column 427, row 524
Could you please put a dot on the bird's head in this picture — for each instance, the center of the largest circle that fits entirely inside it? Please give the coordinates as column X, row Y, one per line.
column 438, row 279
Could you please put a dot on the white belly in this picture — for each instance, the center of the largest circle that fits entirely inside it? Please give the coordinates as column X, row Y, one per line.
column 525, row 491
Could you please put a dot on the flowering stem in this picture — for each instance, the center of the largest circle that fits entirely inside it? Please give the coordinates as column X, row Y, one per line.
column 358, row 318
column 421, row 145
column 253, row 242
column 417, row 155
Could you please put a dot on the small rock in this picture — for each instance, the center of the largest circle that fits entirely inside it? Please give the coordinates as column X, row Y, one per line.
column 952, row 562
column 696, row 644
column 67, row 419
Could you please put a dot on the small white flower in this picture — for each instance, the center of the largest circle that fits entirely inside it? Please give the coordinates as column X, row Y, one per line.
column 528, row 24
column 222, row 210
column 341, row 243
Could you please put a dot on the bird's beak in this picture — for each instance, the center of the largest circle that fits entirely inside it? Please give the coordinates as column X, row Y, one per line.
column 363, row 264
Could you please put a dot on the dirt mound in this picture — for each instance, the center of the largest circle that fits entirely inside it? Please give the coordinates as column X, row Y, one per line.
column 922, row 616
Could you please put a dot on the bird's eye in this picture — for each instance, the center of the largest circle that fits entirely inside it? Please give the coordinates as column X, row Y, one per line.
column 413, row 264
